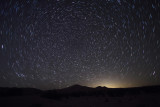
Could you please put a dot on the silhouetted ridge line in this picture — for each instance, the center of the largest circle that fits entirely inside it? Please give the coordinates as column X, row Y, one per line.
column 78, row 90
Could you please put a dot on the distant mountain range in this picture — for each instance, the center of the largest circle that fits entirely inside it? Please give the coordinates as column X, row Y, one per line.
column 78, row 90
column 81, row 96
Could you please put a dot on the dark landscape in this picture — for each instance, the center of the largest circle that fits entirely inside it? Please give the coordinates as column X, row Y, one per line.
column 81, row 96
column 109, row 48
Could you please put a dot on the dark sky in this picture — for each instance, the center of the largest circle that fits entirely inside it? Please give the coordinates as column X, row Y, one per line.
column 57, row 43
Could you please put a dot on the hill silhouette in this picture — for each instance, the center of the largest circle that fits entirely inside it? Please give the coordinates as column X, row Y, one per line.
column 76, row 94
column 83, row 90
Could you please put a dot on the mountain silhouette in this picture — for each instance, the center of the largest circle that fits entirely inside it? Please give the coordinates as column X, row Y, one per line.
column 78, row 89
column 78, row 96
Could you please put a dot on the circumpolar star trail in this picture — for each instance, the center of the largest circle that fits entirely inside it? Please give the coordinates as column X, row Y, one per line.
column 57, row 43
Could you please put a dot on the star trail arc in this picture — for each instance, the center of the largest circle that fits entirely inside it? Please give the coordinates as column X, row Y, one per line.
column 57, row 43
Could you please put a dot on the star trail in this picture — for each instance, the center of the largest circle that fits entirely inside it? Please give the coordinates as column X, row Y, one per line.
column 58, row 43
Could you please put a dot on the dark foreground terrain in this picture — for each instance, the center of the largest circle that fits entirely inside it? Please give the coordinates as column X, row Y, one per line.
column 81, row 96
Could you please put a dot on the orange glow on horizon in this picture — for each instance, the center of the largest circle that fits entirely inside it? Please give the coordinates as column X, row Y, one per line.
column 112, row 85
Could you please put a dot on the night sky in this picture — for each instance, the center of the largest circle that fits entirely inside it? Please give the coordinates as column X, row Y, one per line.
column 58, row 43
